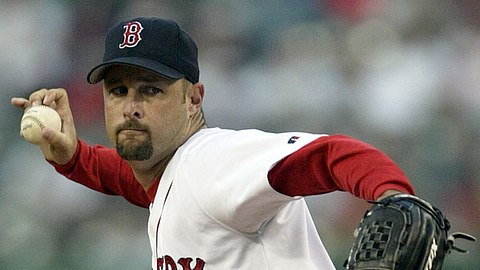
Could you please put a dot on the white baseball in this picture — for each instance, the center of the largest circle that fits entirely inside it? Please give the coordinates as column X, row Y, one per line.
column 37, row 118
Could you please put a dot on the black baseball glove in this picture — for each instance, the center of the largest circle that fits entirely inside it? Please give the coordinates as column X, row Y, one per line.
column 402, row 232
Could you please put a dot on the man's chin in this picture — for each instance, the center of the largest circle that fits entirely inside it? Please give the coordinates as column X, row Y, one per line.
column 135, row 150
column 129, row 142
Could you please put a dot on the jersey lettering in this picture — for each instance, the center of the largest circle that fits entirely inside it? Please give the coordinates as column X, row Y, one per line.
column 131, row 35
column 168, row 263
column 185, row 263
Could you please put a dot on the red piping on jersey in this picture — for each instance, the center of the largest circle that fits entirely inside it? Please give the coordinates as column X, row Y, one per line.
column 160, row 218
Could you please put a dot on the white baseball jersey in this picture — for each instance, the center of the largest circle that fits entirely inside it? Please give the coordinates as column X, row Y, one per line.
column 215, row 209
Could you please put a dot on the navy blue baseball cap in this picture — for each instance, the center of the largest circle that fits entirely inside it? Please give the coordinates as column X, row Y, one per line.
column 154, row 44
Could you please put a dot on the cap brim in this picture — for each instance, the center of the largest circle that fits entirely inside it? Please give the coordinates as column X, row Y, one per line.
column 98, row 73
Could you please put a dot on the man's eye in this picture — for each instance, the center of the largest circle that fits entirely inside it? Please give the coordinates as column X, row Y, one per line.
column 119, row 91
column 152, row 90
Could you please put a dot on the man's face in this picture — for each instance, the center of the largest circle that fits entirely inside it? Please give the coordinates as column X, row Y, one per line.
column 146, row 115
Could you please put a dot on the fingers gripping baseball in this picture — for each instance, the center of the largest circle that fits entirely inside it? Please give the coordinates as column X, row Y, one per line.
column 59, row 145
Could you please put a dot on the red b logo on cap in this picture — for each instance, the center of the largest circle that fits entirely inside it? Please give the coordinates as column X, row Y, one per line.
column 131, row 35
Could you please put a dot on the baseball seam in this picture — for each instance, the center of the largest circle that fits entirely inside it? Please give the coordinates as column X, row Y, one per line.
column 36, row 120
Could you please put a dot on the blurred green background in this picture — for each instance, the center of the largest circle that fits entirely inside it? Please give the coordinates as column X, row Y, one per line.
column 400, row 75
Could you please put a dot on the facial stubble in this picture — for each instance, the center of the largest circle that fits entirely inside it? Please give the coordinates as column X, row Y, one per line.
column 142, row 150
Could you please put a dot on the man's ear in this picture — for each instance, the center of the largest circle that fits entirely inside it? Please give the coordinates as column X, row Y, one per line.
column 196, row 97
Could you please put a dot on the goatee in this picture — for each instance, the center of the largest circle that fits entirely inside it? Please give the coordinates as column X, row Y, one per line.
column 140, row 151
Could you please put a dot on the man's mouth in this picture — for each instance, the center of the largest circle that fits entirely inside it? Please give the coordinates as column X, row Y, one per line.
column 131, row 133
column 132, row 128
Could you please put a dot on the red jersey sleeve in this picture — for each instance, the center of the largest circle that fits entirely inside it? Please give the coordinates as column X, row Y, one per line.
column 338, row 162
column 102, row 169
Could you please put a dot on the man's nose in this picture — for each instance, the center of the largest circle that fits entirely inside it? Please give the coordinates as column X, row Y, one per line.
column 133, row 106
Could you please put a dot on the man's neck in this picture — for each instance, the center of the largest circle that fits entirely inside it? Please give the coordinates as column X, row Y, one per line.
column 146, row 174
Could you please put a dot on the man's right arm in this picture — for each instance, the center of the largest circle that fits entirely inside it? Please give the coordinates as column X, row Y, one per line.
column 98, row 167
column 102, row 169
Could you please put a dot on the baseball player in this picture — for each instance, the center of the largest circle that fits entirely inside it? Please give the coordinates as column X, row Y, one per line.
column 218, row 198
